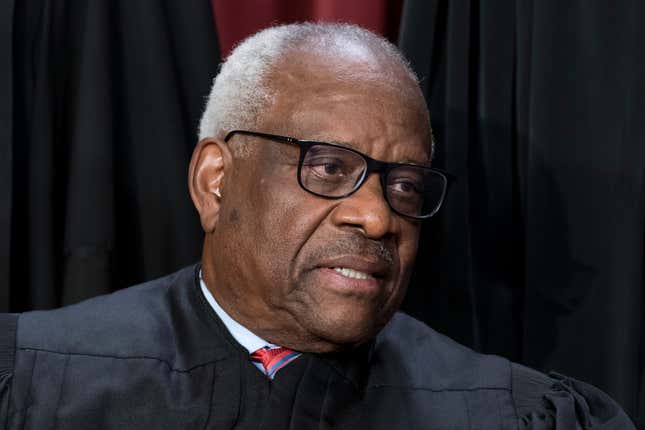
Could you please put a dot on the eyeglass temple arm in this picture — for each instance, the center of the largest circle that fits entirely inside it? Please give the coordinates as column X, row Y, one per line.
column 281, row 139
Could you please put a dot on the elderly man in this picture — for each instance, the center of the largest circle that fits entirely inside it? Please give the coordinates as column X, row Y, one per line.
column 311, row 180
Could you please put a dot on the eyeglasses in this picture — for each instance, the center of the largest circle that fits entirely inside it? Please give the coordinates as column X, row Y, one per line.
column 334, row 172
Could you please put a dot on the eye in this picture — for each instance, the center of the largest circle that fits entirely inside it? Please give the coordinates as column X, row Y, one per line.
column 405, row 187
column 328, row 168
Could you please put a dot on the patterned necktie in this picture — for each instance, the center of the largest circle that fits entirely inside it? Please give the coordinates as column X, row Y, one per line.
column 274, row 359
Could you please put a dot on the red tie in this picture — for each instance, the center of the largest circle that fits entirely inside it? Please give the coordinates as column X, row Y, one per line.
column 274, row 359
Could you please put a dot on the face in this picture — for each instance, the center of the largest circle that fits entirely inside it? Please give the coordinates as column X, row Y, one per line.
column 302, row 271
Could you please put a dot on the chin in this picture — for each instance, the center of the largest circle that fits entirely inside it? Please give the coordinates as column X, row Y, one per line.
column 338, row 333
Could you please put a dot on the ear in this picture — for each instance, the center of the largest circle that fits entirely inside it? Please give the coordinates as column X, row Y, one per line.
column 210, row 163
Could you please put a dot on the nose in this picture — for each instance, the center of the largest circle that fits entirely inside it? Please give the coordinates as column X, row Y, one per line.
column 366, row 210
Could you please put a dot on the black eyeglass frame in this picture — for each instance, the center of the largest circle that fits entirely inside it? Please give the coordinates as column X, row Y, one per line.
column 381, row 167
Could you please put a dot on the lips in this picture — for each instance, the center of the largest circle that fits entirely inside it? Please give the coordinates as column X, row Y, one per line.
column 357, row 267
column 351, row 273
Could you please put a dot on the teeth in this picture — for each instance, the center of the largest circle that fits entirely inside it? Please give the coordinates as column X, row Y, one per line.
column 351, row 273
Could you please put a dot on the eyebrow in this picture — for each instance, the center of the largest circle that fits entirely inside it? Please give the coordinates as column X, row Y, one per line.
column 424, row 163
column 335, row 142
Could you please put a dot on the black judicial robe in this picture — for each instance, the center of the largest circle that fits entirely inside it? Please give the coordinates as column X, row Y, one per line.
column 156, row 356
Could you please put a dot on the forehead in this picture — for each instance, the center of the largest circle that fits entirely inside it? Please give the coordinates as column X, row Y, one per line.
column 370, row 107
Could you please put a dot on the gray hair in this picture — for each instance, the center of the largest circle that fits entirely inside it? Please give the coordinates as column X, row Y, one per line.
column 240, row 91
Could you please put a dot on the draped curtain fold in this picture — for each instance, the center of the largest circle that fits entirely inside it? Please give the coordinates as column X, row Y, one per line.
column 100, row 127
column 538, row 107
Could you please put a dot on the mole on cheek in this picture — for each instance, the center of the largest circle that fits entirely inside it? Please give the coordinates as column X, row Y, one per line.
column 234, row 216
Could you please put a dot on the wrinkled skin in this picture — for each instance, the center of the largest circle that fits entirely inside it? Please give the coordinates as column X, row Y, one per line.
column 270, row 246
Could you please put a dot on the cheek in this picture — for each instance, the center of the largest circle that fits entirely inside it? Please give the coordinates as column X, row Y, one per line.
column 408, row 245
column 293, row 219
column 286, row 220
column 234, row 216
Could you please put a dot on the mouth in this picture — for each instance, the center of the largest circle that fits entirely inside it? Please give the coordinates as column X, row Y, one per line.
column 351, row 273
column 357, row 267
column 348, row 282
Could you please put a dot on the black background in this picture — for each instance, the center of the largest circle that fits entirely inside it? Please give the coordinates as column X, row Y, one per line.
column 538, row 107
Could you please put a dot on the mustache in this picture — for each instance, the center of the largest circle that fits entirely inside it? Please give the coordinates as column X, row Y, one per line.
column 376, row 249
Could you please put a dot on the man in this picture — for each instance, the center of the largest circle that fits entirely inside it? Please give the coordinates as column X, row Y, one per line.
column 311, row 179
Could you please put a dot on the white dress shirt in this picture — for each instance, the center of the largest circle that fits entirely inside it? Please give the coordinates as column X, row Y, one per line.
column 245, row 337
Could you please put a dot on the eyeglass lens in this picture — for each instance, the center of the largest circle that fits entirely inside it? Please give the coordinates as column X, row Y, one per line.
column 336, row 172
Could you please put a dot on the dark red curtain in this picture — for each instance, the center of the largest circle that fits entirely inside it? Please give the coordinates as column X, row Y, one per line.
column 236, row 20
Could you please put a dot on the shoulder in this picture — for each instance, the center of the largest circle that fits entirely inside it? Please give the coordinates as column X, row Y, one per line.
column 409, row 353
column 436, row 380
column 557, row 401
column 145, row 320
column 418, row 355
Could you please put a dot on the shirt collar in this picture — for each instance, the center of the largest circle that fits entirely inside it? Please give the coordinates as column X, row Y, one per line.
column 245, row 337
